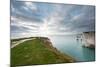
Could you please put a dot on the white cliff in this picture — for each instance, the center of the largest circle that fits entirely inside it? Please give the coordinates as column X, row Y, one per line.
column 89, row 39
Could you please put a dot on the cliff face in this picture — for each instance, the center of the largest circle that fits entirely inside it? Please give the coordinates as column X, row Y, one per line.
column 89, row 39
column 48, row 44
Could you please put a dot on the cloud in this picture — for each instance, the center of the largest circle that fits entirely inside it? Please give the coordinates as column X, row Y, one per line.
column 29, row 6
column 35, row 19
column 75, row 18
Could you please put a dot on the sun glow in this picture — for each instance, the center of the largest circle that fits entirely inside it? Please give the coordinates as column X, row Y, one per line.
column 44, row 31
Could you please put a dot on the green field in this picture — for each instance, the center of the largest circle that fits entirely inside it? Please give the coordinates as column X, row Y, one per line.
column 37, row 51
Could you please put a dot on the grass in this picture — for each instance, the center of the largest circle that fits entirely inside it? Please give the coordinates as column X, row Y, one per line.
column 36, row 51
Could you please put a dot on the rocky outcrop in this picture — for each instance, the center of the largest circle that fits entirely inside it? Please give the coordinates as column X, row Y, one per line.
column 89, row 39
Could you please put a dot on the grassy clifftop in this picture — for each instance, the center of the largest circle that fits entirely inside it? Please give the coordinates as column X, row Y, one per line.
column 39, row 50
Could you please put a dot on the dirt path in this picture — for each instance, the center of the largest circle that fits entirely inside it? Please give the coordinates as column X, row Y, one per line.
column 19, row 42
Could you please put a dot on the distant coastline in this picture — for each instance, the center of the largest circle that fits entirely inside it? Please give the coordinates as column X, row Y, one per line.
column 89, row 39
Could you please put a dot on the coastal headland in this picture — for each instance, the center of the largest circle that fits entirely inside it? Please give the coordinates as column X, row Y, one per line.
column 36, row 51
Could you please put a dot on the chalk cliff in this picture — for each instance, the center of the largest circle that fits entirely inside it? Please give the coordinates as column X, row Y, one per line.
column 89, row 39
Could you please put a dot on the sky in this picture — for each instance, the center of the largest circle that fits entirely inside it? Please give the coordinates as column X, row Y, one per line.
column 44, row 19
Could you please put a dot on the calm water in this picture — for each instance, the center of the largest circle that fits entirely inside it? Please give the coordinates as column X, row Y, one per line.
column 69, row 45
